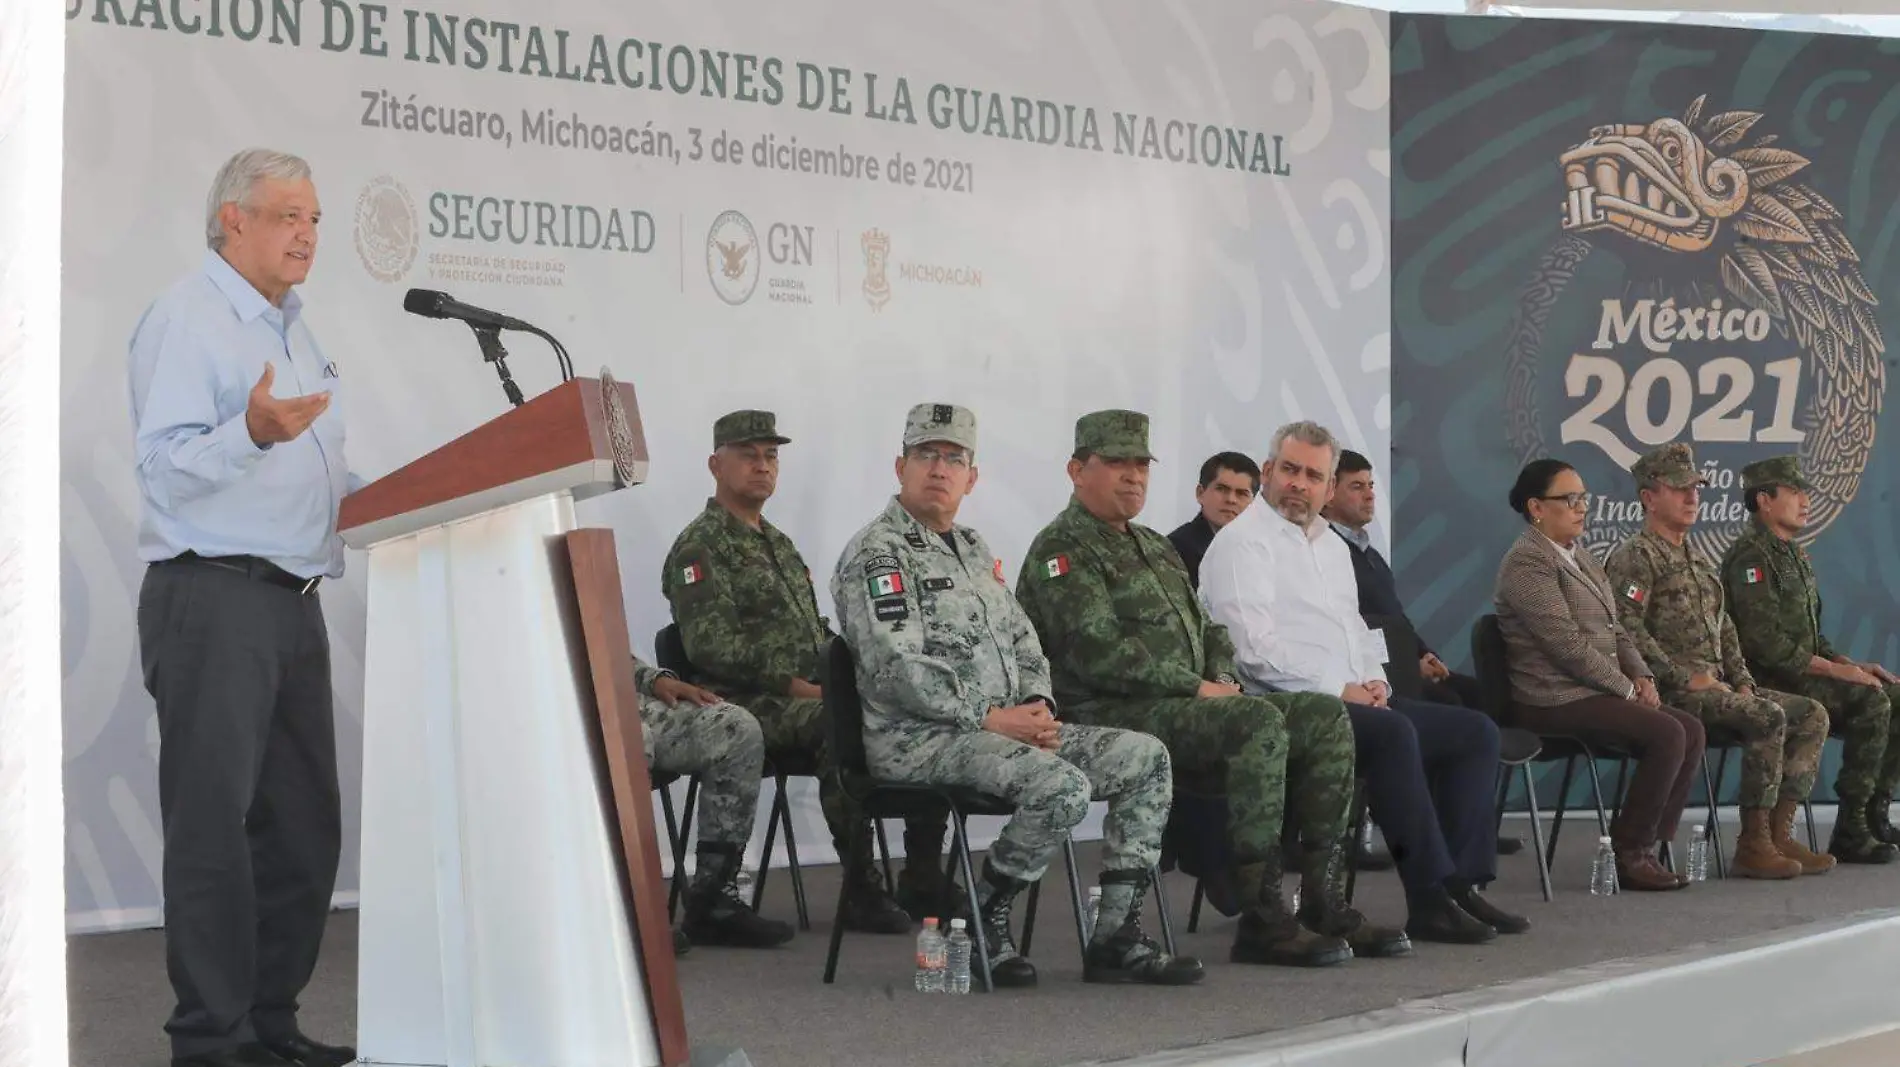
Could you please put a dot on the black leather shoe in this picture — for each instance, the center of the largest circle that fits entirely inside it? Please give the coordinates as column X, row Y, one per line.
column 868, row 909
column 1472, row 903
column 241, row 1056
column 1438, row 918
column 300, row 1050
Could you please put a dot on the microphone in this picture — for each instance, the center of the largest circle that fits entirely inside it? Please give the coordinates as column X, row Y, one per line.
column 432, row 304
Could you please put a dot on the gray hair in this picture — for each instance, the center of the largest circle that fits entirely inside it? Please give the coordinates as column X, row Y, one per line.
column 238, row 177
column 1307, row 433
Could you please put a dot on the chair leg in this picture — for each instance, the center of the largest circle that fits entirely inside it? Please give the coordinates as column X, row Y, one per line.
column 1161, row 908
column 1357, row 829
column 1622, row 782
column 1082, row 931
column 1596, row 793
column 1537, row 833
column 771, row 842
column 673, row 844
column 961, row 847
column 1557, row 823
column 1714, row 788
column 1029, row 916
column 680, row 847
column 884, row 850
column 791, row 860
column 837, row 922
column 1814, row 840
column 1194, row 909
column 1504, row 794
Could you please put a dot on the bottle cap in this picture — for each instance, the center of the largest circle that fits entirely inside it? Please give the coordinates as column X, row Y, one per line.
column 1603, row 840
column 956, row 924
column 930, row 922
column 1698, row 828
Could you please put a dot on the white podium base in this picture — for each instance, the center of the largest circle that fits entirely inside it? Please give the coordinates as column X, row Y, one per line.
column 494, row 931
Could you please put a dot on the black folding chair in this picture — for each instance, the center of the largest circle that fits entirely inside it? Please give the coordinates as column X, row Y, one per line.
column 1290, row 845
column 878, row 799
column 669, row 651
column 1494, row 682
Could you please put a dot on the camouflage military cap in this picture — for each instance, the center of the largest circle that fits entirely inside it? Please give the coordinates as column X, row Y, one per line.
column 739, row 427
column 1768, row 473
column 1113, row 434
column 940, row 422
column 1673, row 465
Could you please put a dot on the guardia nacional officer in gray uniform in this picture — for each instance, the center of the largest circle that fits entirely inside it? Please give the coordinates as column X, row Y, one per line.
column 957, row 693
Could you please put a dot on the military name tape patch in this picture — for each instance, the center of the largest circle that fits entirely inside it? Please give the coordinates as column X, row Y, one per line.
column 892, row 610
column 887, row 585
column 938, row 585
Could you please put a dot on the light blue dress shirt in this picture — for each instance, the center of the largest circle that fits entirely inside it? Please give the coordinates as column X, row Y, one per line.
column 205, row 486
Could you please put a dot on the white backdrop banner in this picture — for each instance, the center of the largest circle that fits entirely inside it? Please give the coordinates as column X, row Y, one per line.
column 829, row 209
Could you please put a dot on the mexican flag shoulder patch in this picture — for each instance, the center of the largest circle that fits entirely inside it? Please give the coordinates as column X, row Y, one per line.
column 1751, row 575
column 1056, row 567
column 1636, row 593
column 887, row 584
column 693, row 573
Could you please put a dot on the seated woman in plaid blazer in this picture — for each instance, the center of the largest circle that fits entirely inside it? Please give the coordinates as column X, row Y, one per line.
column 1574, row 671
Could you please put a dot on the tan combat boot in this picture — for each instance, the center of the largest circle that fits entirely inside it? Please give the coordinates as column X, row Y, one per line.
column 1755, row 853
column 1781, row 824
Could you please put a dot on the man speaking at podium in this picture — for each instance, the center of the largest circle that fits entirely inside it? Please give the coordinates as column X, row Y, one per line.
column 240, row 468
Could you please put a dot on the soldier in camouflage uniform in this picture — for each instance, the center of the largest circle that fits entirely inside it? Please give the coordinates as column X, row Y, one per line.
column 957, row 693
column 747, row 614
column 687, row 730
column 1670, row 600
column 1130, row 645
column 1777, row 610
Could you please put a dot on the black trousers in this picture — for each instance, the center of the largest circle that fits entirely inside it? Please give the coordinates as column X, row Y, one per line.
column 1431, row 786
column 247, row 785
column 1458, row 690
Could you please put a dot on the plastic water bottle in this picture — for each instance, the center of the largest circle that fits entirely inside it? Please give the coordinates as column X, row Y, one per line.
column 930, row 961
column 957, row 975
column 1698, row 868
column 1092, row 910
column 1603, row 870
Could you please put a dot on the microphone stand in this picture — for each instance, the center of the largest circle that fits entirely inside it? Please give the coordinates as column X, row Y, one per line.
column 490, row 339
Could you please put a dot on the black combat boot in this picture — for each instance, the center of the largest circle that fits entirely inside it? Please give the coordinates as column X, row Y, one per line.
column 868, row 908
column 1270, row 934
column 1324, row 910
column 1129, row 954
column 995, row 893
column 1879, row 821
column 1853, row 840
column 922, row 889
column 715, row 912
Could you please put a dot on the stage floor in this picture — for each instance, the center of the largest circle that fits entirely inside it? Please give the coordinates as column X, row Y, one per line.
column 774, row 1007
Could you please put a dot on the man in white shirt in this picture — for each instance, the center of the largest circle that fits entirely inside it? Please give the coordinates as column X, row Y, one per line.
column 1283, row 586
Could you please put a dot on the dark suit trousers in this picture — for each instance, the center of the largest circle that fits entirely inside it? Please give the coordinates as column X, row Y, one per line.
column 247, row 787
column 1431, row 773
column 1458, row 690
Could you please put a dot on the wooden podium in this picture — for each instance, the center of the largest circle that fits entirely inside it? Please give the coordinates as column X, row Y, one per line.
column 512, row 913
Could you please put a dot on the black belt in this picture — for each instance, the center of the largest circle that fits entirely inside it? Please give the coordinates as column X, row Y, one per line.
column 262, row 570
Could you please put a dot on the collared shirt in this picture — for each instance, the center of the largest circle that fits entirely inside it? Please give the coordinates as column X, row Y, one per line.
column 1568, row 552
column 939, row 639
column 745, row 605
column 1358, row 539
column 1289, row 600
column 206, row 487
column 1115, row 612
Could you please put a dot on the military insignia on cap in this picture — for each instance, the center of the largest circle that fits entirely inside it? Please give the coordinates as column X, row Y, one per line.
column 941, row 414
